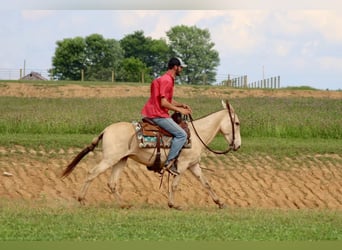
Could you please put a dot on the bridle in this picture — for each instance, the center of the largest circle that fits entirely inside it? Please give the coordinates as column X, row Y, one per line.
column 231, row 145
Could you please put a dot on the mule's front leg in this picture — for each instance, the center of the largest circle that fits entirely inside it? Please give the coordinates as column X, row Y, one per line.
column 172, row 190
column 197, row 171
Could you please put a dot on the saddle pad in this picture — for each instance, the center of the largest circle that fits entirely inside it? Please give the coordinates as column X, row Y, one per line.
column 150, row 140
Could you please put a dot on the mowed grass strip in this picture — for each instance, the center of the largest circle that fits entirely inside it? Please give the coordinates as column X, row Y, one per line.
column 154, row 224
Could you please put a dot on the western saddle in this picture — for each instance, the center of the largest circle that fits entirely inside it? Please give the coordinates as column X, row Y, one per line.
column 151, row 129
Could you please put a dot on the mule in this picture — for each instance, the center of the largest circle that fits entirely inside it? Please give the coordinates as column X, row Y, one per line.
column 119, row 142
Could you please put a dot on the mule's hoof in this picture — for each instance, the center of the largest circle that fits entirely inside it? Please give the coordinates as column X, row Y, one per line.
column 126, row 206
column 81, row 201
column 175, row 207
column 222, row 205
column 111, row 190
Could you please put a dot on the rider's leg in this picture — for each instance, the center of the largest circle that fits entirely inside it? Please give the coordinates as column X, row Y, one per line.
column 178, row 140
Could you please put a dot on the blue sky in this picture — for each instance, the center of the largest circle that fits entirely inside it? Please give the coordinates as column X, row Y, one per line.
column 300, row 43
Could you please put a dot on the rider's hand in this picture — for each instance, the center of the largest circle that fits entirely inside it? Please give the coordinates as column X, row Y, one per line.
column 187, row 107
column 185, row 111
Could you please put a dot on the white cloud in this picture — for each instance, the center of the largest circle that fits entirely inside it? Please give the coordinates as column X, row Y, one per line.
column 192, row 17
column 331, row 63
column 309, row 48
column 283, row 48
column 239, row 31
column 36, row 15
column 328, row 23
column 299, row 22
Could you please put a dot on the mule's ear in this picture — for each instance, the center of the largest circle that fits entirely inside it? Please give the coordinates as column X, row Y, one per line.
column 223, row 104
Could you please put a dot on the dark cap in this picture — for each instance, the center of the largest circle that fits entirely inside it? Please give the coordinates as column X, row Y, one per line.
column 176, row 61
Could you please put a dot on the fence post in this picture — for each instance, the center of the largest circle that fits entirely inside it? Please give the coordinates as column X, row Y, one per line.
column 113, row 76
column 204, row 79
column 82, row 75
column 229, row 82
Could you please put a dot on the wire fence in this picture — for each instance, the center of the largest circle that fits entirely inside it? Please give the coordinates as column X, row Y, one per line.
column 230, row 80
column 242, row 82
column 17, row 74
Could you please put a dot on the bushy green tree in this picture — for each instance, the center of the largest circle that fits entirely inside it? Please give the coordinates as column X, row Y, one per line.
column 69, row 59
column 133, row 70
column 136, row 55
column 97, row 56
column 196, row 49
column 154, row 53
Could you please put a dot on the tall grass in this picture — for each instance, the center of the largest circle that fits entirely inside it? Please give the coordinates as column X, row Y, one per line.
column 65, row 116
column 259, row 117
column 291, row 117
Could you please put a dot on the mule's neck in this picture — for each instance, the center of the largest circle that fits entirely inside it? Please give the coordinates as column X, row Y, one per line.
column 208, row 127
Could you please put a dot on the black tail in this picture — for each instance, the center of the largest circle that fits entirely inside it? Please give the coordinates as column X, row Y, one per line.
column 80, row 156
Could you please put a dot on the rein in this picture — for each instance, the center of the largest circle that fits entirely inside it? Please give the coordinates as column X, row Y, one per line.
column 233, row 131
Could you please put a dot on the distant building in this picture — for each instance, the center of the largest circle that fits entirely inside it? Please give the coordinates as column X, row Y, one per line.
column 34, row 76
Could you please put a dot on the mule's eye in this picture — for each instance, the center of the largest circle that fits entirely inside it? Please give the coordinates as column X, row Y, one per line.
column 237, row 123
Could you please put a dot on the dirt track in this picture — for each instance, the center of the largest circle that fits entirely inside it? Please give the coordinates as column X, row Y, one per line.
column 306, row 182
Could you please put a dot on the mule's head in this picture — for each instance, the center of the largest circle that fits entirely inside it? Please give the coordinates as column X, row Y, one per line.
column 230, row 127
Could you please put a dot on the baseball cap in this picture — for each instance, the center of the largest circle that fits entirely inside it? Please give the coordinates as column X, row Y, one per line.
column 181, row 63
column 176, row 61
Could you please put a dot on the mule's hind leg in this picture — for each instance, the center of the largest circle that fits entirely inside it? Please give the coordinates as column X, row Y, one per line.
column 92, row 174
column 197, row 171
column 113, row 182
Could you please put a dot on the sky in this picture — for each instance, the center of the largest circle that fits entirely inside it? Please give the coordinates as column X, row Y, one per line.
column 301, row 43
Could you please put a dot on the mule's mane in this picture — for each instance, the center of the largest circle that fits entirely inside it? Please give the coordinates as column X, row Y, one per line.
column 202, row 117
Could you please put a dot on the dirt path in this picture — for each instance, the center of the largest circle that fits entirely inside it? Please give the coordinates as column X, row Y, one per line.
column 34, row 176
column 305, row 183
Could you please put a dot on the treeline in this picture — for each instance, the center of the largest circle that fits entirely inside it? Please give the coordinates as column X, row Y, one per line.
column 136, row 56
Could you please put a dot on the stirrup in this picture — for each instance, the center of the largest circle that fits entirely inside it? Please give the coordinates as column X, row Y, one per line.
column 171, row 168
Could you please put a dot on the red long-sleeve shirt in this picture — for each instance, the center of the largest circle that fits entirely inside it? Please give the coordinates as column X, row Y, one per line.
column 160, row 87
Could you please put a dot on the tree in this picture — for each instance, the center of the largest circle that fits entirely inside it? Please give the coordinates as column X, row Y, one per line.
column 153, row 53
column 69, row 59
column 97, row 56
column 103, row 56
column 132, row 70
column 195, row 48
column 159, row 55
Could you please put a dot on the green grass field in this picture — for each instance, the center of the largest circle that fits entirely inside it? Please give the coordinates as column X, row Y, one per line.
column 153, row 224
column 277, row 126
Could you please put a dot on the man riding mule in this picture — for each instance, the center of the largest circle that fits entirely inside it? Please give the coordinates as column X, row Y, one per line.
column 157, row 110
column 120, row 142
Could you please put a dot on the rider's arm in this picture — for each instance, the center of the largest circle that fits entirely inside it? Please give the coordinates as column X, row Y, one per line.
column 175, row 106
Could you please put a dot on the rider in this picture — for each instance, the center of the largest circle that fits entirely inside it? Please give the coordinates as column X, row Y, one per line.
column 157, row 109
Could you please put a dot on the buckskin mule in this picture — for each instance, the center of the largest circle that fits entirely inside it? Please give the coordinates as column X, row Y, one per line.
column 119, row 142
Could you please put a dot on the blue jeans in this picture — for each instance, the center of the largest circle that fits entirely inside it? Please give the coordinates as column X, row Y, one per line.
column 179, row 136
